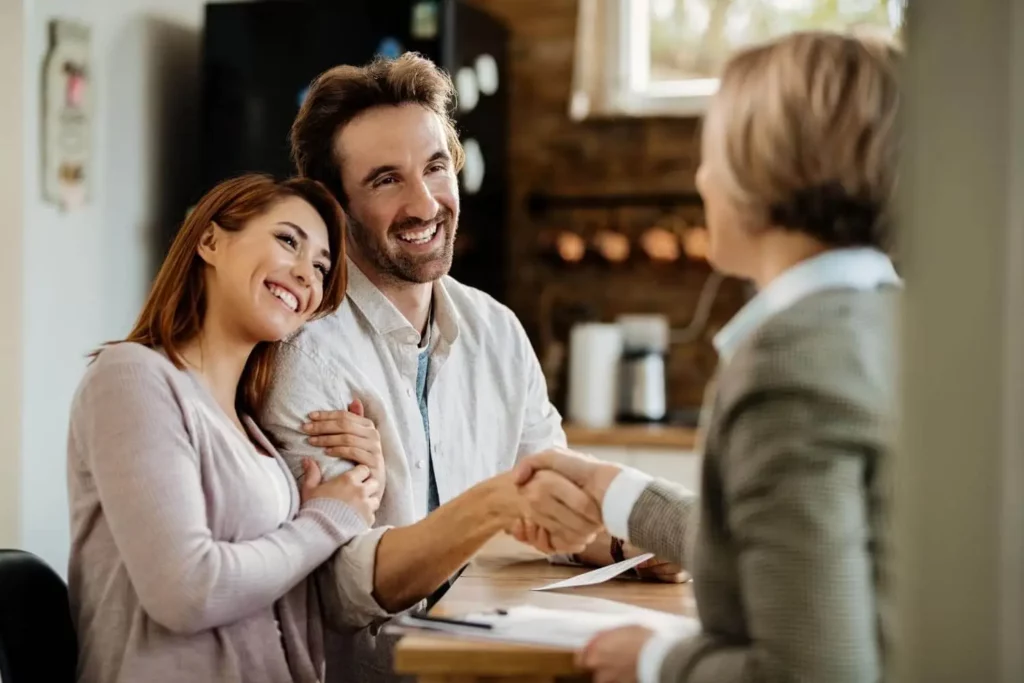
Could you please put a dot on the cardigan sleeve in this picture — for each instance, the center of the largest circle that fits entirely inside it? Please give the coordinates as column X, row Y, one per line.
column 131, row 429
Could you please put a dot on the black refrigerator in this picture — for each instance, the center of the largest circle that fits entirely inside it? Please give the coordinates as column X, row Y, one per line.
column 260, row 57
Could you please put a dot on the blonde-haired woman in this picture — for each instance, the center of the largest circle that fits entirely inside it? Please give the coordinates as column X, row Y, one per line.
column 797, row 175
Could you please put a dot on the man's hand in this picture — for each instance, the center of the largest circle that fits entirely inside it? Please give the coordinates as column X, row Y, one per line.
column 613, row 655
column 570, row 517
column 589, row 474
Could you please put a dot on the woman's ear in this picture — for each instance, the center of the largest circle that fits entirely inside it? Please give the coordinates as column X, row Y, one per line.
column 208, row 243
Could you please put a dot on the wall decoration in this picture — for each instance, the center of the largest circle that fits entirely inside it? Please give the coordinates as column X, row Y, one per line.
column 473, row 170
column 424, row 20
column 390, row 48
column 67, row 115
column 487, row 74
column 468, row 89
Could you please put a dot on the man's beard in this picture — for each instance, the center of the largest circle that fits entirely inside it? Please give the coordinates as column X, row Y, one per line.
column 386, row 256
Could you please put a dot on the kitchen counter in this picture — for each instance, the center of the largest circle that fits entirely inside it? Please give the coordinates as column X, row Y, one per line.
column 669, row 437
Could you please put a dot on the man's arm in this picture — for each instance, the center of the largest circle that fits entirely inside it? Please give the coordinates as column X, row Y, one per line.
column 387, row 570
column 414, row 561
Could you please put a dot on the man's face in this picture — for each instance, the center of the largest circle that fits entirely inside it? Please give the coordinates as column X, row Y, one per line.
column 402, row 192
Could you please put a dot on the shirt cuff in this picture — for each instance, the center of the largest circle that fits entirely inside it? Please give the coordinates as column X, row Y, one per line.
column 353, row 570
column 652, row 654
column 620, row 498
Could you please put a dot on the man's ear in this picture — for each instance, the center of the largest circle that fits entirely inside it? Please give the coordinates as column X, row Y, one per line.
column 208, row 243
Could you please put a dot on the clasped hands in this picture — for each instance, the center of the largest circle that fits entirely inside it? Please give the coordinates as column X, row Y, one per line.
column 563, row 495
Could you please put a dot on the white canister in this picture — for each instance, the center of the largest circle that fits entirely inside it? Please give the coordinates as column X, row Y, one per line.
column 594, row 352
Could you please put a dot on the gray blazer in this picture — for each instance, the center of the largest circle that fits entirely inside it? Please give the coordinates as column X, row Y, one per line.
column 788, row 555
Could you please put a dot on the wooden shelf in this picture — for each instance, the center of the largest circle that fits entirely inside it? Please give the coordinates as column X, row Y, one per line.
column 638, row 436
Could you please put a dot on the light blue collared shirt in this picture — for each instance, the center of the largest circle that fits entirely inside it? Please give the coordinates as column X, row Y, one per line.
column 853, row 268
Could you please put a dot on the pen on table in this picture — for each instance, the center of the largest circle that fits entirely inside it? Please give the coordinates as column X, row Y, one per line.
column 453, row 622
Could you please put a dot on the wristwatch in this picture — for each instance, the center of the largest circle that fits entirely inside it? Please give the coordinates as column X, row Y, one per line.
column 618, row 555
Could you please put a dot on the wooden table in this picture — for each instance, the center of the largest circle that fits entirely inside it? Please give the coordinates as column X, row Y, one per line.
column 502, row 576
column 669, row 437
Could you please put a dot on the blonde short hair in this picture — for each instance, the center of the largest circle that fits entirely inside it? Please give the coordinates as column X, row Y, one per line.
column 803, row 130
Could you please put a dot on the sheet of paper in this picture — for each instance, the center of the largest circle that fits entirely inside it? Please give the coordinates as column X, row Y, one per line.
column 527, row 624
column 598, row 575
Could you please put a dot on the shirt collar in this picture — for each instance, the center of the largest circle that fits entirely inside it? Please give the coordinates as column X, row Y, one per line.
column 386, row 319
column 853, row 268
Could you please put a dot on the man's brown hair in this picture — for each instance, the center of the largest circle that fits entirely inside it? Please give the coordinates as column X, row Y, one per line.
column 340, row 94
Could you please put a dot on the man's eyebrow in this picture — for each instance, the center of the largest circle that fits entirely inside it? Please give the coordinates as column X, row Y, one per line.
column 378, row 170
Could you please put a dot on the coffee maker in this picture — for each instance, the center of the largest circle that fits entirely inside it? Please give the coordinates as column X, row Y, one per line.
column 642, row 393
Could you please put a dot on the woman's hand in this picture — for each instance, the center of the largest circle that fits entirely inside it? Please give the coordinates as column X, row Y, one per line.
column 349, row 435
column 356, row 488
column 612, row 655
column 655, row 569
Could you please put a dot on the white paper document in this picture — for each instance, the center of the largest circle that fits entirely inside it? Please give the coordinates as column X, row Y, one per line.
column 598, row 575
column 531, row 625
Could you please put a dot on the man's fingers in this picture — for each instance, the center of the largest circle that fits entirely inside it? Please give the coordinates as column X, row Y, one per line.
column 541, row 538
column 524, row 470
column 531, row 464
column 560, row 544
column 558, row 506
column 518, row 531
column 570, row 496
column 576, row 467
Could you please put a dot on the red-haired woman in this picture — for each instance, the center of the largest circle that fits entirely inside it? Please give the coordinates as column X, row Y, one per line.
column 191, row 543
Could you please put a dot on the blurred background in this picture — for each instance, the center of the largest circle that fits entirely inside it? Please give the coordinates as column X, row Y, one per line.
column 580, row 119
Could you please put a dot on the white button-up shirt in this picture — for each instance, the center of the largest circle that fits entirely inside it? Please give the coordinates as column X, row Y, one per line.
column 486, row 396
column 860, row 268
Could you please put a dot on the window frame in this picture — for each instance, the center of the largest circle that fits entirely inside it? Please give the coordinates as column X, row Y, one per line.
column 636, row 94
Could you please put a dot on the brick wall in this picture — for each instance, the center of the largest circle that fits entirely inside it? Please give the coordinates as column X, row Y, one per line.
column 550, row 152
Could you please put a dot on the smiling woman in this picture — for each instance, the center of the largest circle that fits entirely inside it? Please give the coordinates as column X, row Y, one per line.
column 179, row 300
column 191, row 542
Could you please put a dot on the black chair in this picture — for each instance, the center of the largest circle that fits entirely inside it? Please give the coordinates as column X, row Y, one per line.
column 37, row 638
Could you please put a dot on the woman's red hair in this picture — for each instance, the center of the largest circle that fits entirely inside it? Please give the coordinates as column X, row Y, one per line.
column 174, row 310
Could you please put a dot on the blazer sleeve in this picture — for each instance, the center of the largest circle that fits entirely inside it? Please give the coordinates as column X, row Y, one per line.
column 794, row 472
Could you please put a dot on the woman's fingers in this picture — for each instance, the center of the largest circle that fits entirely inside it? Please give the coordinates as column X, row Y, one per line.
column 336, row 422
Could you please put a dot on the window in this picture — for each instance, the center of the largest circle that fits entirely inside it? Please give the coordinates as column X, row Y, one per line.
column 661, row 57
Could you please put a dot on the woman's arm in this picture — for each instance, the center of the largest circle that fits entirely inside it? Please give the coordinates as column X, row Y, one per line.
column 795, row 468
column 130, row 427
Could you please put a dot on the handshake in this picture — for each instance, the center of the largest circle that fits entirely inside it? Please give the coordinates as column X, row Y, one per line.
column 561, row 495
column 562, row 498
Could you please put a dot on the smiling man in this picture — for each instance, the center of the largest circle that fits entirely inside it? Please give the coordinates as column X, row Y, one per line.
column 444, row 371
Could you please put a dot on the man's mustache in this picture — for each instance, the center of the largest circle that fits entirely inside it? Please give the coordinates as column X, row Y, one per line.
column 444, row 215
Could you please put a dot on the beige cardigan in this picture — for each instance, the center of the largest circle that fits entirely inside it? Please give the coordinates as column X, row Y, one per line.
column 179, row 570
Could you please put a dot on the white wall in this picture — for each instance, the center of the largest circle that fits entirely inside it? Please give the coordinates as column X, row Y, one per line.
column 10, row 271
column 86, row 272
